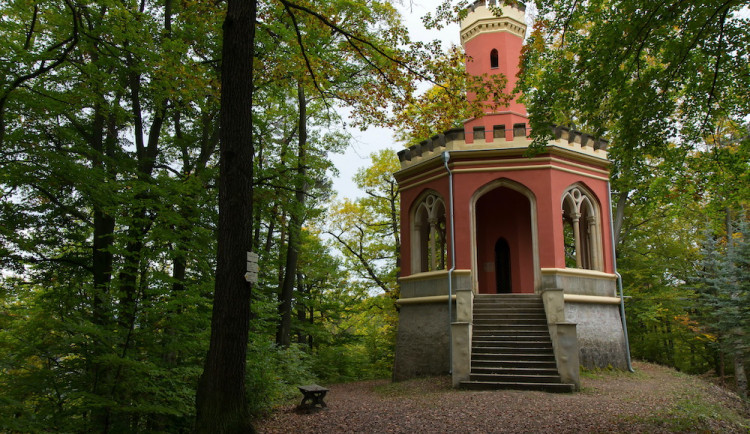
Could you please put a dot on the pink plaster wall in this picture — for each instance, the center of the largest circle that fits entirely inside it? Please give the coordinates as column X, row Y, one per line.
column 509, row 55
column 504, row 213
column 546, row 185
column 478, row 51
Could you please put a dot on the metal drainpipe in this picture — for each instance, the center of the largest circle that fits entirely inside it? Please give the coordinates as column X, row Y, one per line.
column 446, row 157
column 619, row 278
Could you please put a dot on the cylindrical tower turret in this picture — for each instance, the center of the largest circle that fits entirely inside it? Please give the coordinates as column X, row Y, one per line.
column 493, row 46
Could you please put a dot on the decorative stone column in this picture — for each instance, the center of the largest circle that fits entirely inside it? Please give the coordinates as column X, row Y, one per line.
column 433, row 248
column 575, row 217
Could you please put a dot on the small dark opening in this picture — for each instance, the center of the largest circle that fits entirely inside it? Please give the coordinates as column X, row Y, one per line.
column 502, row 266
column 519, row 130
column 498, row 131
column 478, row 132
column 494, row 62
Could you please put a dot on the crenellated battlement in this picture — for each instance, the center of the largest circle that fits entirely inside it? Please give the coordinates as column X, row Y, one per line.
column 561, row 133
column 455, row 140
column 497, row 3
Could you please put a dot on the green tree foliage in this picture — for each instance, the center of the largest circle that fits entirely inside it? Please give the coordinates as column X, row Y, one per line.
column 642, row 72
column 656, row 257
column 660, row 255
column 110, row 127
column 724, row 290
column 106, row 149
column 366, row 229
column 667, row 84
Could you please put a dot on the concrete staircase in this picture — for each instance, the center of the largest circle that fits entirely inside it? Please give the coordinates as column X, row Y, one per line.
column 511, row 346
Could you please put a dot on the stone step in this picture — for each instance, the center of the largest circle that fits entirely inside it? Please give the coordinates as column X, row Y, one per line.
column 508, row 310
column 506, row 349
column 506, row 370
column 503, row 320
column 485, row 327
column 493, row 348
column 508, row 302
column 492, row 326
column 538, row 364
column 480, row 315
column 510, row 314
column 511, row 346
column 510, row 340
column 503, row 325
column 509, row 333
column 512, row 357
column 493, row 385
column 501, row 303
column 510, row 330
column 516, row 378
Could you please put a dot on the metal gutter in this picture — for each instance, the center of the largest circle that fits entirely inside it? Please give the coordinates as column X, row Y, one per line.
column 619, row 278
column 446, row 158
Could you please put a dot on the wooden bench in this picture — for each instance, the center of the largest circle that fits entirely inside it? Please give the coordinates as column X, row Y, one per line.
column 314, row 394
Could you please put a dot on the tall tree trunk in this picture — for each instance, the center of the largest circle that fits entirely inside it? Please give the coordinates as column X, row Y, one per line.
column 104, row 222
column 301, row 308
column 740, row 377
column 669, row 342
column 140, row 222
column 221, row 405
column 284, row 330
column 619, row 217
column 101, row 255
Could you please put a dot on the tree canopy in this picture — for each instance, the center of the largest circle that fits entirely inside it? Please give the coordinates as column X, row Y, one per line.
column 643, row 73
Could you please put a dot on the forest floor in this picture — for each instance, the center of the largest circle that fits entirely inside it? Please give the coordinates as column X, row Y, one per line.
column 654, row 399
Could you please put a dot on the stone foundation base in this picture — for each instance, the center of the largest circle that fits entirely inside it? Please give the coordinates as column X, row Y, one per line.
column 601, row 341
column 422, row 343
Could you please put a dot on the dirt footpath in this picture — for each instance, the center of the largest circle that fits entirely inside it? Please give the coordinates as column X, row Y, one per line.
column 654, row 399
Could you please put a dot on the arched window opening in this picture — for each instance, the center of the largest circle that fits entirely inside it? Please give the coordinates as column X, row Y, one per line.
column 581, row 235
column 494, row 62
column 429, row 243
column 569, row 241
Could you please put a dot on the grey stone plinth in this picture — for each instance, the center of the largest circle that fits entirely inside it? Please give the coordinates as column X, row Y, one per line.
column 422, row 342
column 600, row 336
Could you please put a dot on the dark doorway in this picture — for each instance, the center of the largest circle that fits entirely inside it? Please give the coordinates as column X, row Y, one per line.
column 502, row 266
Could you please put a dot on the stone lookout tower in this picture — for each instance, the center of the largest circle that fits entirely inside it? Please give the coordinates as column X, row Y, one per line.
column 508, row 276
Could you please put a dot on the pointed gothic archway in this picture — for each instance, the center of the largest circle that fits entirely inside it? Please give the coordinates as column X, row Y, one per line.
column 504, row 241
